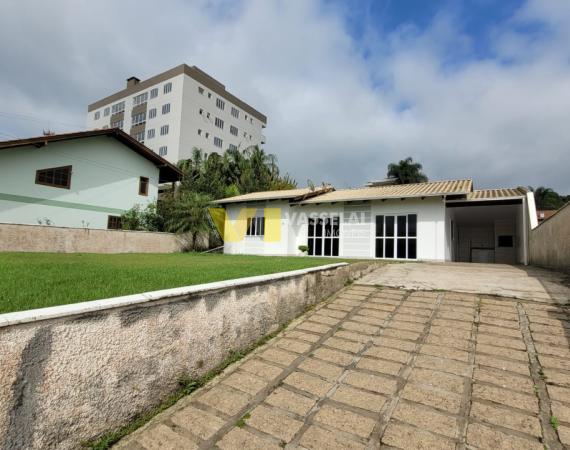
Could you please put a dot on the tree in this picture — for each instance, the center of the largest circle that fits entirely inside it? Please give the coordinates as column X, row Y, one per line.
column 188, row 213
column 547, row 198
column 407, row 171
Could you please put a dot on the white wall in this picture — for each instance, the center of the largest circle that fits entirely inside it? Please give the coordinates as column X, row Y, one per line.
column 105, row 176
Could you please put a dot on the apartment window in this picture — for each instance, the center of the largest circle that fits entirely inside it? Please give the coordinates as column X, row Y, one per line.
column 207, row 135
column 199, row 132
column 255, row 226
column 97, row 115
column 218, row 142
column 140, row 99
column 139, row 118
column 208, row 115
column 118, row 107
column 201, row 90
column 233, row 130
column 164, row 130
column 219, row 123
column 152, row 113
column 250, row 120
column 139, row 136
column 209, row 95
column 117, row 124
column 201, row 111
column 143, row 186
column 396, row 236
column 162, row 151
column 220, row 103
column 232, row 147
column 114, row 223
column 59, row 177
column 167, row 88
column 246, row 117
column 150, row 134
column 154, row 93
column 244, row 134
column 106, row 111
column 235, row 112
column 324, row 236
column 166, row 108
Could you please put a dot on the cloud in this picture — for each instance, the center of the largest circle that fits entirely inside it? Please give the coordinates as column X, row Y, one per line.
column 340, row 108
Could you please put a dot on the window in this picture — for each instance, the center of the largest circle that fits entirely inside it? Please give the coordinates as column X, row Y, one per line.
column 117, row 124
column 396, row 236
column 200, row 111
column 143, row 186
column 201, row 90
column 114, row 223
column 207, row 135
column 255, row 226
column 150, row 134
column 139, row 136
column 97, row 115
column 167, row 88
column 208, row 115
column 140, row 99
column 139, row 118
column 162, row 151
column 324, row 236
column 55, row 177
column 244, row 134
column 505, row 241
column 232, row 147
column 118, row 107
column 235, row 112
column 250, row 120
column 199, row 132
column 152, row 113
column 220, row 103
column 209, row 95
column 106, row 111
column 166, row 108
column 154, row 93
column 219, row 123
column 233, row 130
column 164, row 130
column 246, row 117
column 218, row 142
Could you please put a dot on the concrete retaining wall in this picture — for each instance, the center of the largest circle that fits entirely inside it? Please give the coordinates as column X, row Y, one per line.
column 550, row 242
column 41, row 238
column 71, row 372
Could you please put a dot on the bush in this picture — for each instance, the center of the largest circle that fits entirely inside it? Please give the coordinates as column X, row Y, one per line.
column 303, row 248
column 139, row 219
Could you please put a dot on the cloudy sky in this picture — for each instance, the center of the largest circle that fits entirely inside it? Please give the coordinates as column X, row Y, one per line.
column 472, row 88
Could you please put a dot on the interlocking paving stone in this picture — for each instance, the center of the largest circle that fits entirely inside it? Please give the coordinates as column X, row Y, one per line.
column 377, row 367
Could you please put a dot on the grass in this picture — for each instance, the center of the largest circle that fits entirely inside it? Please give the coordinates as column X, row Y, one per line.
column 554, row 422
column 37, row 280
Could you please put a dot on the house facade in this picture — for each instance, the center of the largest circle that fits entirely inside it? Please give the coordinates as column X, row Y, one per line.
column 433, row 221
column 84, row 180
column 177, row 110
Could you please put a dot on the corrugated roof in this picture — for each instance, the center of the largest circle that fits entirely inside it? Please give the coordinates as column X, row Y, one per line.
column 274, row 195
column 167, row 171
column 489, row 194
column 428, row 189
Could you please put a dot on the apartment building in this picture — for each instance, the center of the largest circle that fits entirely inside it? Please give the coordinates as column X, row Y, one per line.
column 177, row 110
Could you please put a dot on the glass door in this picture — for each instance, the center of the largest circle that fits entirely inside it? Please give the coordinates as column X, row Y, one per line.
column 396, row 236
column 324, row 236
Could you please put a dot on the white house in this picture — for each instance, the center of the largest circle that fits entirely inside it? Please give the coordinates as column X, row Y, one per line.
column 439, row 221
column 85, row 179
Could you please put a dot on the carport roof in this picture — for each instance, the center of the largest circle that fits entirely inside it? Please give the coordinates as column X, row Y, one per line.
column 492, row 194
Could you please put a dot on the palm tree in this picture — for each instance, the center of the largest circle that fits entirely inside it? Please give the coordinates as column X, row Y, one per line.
column 546, row 198
column 407, row 171
column 189, row 214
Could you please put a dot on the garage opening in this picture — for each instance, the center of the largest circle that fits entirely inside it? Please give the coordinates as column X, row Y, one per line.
column 486, row 231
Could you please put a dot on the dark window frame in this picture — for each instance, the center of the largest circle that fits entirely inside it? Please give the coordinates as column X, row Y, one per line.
column 143, row 186
column 114, row 223
column 61, row 186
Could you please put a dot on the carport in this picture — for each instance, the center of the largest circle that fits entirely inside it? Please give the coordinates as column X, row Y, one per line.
column 488, row 226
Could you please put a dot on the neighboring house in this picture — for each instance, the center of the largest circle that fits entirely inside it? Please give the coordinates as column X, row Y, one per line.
column 545, row 214
column 177, row 110
column 440, row 221
column 85, row 179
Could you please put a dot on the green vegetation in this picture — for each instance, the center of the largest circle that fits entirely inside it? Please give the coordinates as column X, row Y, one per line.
column 37, row 280
column 554, row 422
column 241, row 422
column 547, row 198
column 406, row 171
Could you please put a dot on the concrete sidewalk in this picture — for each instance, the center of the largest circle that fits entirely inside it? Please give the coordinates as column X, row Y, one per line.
column 388, row 368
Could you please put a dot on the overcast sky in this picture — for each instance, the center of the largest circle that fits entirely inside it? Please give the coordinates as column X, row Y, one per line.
column 474, row 88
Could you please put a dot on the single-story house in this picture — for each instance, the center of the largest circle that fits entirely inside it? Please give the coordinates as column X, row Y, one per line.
column 85, row 179
column 436, row 220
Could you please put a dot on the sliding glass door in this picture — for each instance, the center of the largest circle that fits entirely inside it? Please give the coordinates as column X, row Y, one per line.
column 324, row 236
column 396, row 236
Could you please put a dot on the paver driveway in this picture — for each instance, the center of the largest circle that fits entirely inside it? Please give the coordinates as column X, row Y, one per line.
column 386, row 368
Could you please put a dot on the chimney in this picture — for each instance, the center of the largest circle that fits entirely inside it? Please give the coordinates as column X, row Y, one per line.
column 132, row 81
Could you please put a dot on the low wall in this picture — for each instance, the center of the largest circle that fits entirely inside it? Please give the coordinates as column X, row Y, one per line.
column 42, row 238
column 69, row 373
column 550, row 242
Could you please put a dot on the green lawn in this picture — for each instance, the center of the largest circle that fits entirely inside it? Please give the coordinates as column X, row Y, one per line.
column 37, row 280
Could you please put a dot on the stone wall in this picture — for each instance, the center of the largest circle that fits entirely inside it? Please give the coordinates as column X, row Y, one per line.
column 550, row 242
column 42, row 238
column 70, row 373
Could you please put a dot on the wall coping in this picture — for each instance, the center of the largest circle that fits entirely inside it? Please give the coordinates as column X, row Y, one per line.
column 54, row 312
column 37, row 225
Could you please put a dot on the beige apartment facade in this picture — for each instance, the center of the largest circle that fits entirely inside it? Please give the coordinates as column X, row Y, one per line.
column 178, row 110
